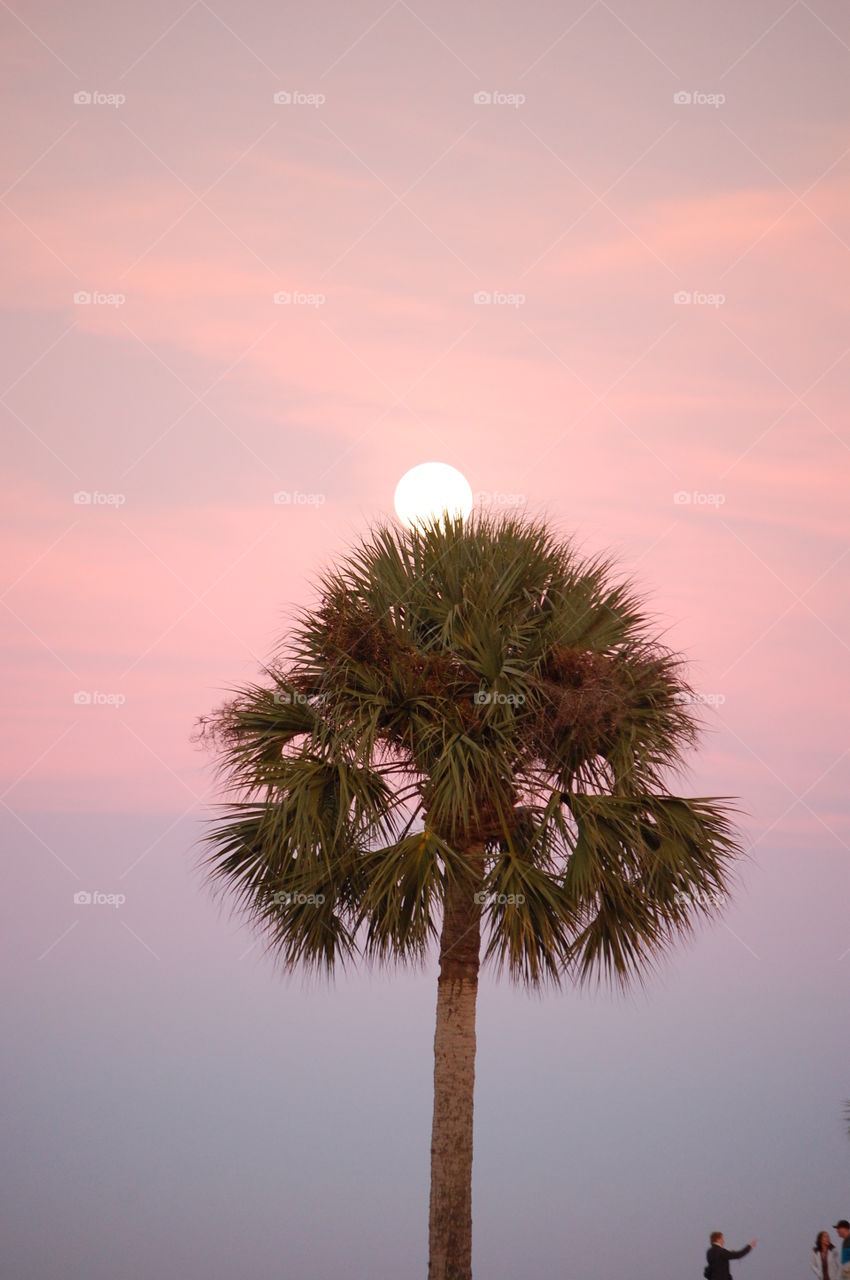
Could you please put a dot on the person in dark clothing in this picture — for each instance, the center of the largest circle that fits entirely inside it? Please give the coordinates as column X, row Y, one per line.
column 842, row 1226
column 718, row 1257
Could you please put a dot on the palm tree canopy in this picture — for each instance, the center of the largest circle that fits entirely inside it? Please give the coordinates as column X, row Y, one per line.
column 480, row 686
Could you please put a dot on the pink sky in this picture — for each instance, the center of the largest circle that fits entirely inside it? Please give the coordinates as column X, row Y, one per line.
column 597, row 398
column 165, row 1082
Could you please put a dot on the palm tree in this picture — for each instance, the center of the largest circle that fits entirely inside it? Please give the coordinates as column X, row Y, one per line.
column 470, row 734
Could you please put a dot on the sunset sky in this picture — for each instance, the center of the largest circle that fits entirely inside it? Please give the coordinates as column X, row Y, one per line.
column 595, row 255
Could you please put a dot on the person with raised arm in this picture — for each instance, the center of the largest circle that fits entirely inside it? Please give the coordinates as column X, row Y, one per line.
column 718, row 1257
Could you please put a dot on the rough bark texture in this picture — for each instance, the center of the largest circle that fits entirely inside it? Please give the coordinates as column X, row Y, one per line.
column 450, row 1222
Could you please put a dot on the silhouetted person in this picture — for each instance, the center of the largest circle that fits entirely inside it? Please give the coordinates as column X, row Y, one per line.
column 842, row 1226
column 718, row 1257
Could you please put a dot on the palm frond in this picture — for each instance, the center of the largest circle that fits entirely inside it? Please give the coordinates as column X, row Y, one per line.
column 513, row 695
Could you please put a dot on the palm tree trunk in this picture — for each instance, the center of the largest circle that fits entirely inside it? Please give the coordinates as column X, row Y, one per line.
column 450, row 1220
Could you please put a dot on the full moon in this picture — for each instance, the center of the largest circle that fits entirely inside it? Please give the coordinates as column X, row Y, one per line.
column 427, row 492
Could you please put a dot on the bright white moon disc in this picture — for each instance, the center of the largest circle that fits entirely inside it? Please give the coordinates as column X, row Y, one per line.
column 426, row 492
